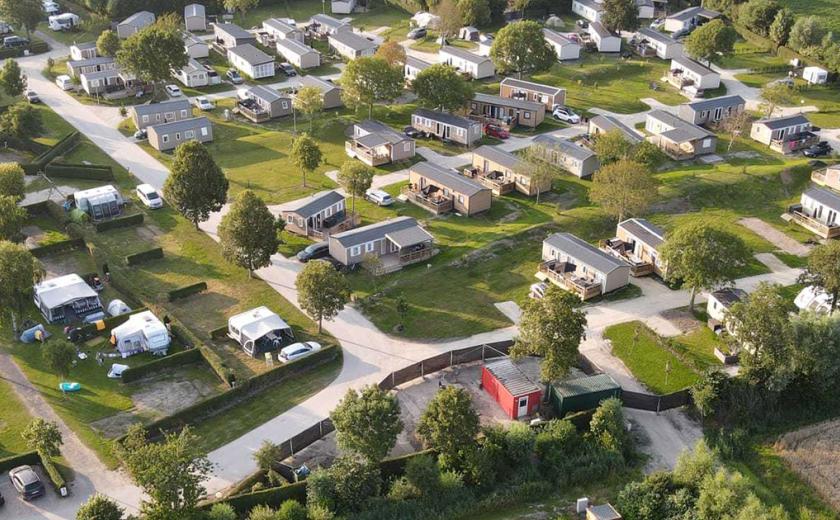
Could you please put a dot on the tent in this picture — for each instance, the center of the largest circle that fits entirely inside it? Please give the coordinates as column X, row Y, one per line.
column 143, row 332
column 66, row 299
column 117, row 307
column 425, row 20
column 259, row 330
column 100, row 203
column 814, row 299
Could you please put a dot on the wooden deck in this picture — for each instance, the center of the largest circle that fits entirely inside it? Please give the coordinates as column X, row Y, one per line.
column 554, row 272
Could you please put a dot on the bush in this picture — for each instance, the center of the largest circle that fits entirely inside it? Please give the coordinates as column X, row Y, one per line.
column 70, row 244
column 291, row 510
column 186, row 357
column 345, row 486
column 189, row 290
column 272, row 497
column 423, row 473
column 29, row 458
column 144, row 256
column 52, row 472
column 91, row 172
column 119, row 222
column 221, row 511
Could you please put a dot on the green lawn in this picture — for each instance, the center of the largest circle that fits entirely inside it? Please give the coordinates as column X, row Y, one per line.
column 88, row 31
column 824, row 97
column 430, row 44
column 698, row 347
column 13, row 419
column 748, row 56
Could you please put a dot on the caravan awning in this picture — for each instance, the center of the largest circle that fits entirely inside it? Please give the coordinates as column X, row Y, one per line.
column 409, row 236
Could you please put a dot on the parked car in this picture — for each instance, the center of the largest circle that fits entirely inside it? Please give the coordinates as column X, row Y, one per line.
column 416, row 34
column 204, row 104
column 314, row 251
column 287, row 69
column 410, row 131
column 27, row 483
column 234, row 76
column 818, row 150
column 566, row 115
column 11, row 42
column 379, row 197
column 64, row 82
column 538, row 290
column 297, row 351
column 141, row 134
column 496, row 131
column 656, row 24
column 31, row 96
column 149, row 196
column 173, row 90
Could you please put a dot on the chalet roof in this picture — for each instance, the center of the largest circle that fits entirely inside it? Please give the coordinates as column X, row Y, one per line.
column 508, row 102
column 251, row 54
column 355, row 41
column 498, row 156
column 564, row 146
column 721, row 101
column 824, row 196
column 608, row 123
column 645, row 231
column 376, row 231
column 775, row 123
column 584, row 252
column 448, row 178
column 463, row 54
column 315, row 203
column 530, row 85
column 446, row 118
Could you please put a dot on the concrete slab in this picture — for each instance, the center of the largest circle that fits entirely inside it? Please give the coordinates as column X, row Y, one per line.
column 775, row 237
column 510, row 309
column 710, row 159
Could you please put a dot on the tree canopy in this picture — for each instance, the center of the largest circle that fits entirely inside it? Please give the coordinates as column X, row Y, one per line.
column 196, row 186
column 248, row 233
column 108, row 43
column 355, row 177
column 521, row 47
column 620, row 15
column 306, row 155
column 781, row 26
column 449, row 425
column 12, row 79
column 12, row 183
column 758, row 15
column 623, row 188
column 367, row 80
column 392, row 52
column 611, row 146
column 19, row 272
column 20, row 122
column 309, row 101
column 22, row 13
column 44, row 437
column 367, row 422
column 534, row 165
column 451, row 18
column 474, row 12
column 59, row 355
column 99, row 507
column 441, row 86
column 710, row 39
column 806, row 35
column 322, row 291
column 12, row 218
column 243, row 6
column 823, row 270
column 153, row 52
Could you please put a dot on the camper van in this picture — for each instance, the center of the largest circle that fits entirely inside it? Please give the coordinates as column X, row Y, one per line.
column 259, row 331
column 63, row 22
column 142, row 332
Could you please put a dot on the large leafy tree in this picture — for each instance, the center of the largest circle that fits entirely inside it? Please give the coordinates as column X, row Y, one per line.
column 355, row 178
column 322, row 291
column 268, row 455
column 108, row 43
column 243, row 6
column 781, row 26
column 306, row 155
column 59, row 355
column 440, row 86
column 710, row 39
column 170, row 472
column 823, row 270
column 367, row 422
column 703, row 256
column 620, row 15
column 551, row 327
column 99, row 507
column 451, row 18
column 19, row 272
column 12, row 218
column 21, row 122
column 151, row 53
column 520, row 47
column 758, row 15
column 392, row 52
column 12, row 182
column 342, row 488
column 12, row 80
column 248, row 233
column 623, row 188
column 196, row 186
column 44, row 437
column 776, row 94
column 449, row 425
column 23, row 13
column 368, row 80
column 309, row 101
column 611, row 146
column 475, row 12
column 534, row 165
column 606, row 427
column 806, row 35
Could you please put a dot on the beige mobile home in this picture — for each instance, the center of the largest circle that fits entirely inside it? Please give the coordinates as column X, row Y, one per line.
column 441, row 190
column 396, row 242
column 549, row 96
column 375, row 143
column 503, row 172
column 562, row 153
column 637, row 242
column 168, row 136
column 581, row 268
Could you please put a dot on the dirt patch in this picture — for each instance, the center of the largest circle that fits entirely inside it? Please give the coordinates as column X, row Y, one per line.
column 149, row 231
column 59, row 265
column 814, row 453
column 673, row 206
column 682, row 319
column 746, row 154
column 33, row 234
column 561, row 201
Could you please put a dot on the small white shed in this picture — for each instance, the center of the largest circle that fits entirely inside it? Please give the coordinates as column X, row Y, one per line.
column 143, row 332
column 815, row 75
column 259, row 330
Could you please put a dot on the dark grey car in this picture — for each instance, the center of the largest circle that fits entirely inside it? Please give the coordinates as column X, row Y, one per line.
column 26, row 482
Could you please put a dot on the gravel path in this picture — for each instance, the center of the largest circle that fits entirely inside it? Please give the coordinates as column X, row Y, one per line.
column 775, row 237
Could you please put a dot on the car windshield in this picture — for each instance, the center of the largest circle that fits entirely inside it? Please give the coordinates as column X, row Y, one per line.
column 32, row 486
column 314, row 248
column 152, row 195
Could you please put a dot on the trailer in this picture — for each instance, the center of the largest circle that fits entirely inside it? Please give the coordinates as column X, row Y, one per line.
column 259, row 331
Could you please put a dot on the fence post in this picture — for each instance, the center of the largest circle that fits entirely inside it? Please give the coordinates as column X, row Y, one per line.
column 423, row 368
column 291, row 447
column 483, row 352
column 451, row 357
column 392, row 380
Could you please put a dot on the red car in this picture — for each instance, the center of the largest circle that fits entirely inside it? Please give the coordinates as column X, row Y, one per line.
column 496, row 131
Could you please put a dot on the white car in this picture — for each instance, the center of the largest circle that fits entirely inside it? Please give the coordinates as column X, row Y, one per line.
column 64, row 82
column 297, row 351
column 379, row 197
column 204, row 104
column 148, row 195
column 566, row 115
column 173, row 90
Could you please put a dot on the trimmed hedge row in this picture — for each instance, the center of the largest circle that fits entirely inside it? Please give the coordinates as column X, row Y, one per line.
column 127, row 221
column 272, row 497
column 93, row 172
column 189, row 290
column 110, row 323
column 219, row 333
column 62, row 146
column 395, row 467
column 187, row 357
column 144, row 256
column 56, row 479
column 56, row 247
column 17, row 52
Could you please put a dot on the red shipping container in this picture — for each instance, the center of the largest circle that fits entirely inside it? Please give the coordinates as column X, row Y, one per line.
column 517, row 394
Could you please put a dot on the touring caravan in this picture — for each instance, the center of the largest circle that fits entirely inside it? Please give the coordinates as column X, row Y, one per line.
column 63, row 22
column 259, row 331
column 100, row 203
column 143, row 332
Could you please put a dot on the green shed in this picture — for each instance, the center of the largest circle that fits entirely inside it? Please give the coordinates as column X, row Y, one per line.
column 584, row 393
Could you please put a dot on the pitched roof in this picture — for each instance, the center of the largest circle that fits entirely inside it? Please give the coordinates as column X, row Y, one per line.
column 536, row 87
column 192, row 65
column 644, row 230
column 564, row 146
column 557, row 38
column 654, row 35
column 315, row 203
column 498, row 156
column 448, row 178
column 293, row 46
column 417, row 63
column 251, row 54
column 585, row 385
column 376, row 231
column 463, row 54
column 194, row 10
column 775, row 123
column 84, row 45
column 266, row 94
column 681, row 130
column 592, row 4
column 327, row 20
column 511, row 377
column 98, row 60
column 823, row 196
column 355, row 41
column 409, row 236
column 111, row 73
column 691, row 65
column 382, row 130
column 729, row 296
column 721, row 101
column 599, row 29
column 315, row 81
column 608, row 123
column 279, row 25
column 233, row 30
column 190, row 39
column 691, row 12
column 139, row 19
column 584, row 252
column 179, row 126
column 508, row 102
column 446, row 118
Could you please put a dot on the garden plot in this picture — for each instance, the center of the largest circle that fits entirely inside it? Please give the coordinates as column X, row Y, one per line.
column 813, row 453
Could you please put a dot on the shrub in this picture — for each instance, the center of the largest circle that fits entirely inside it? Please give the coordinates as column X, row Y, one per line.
column 189, row 290
column 262, row 512
column 119, row 222
column 423, row 473
column 221, row 511
column 291, row 510
column 345, row 486
column 144, row 256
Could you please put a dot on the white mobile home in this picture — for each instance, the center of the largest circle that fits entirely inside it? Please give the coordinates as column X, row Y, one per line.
column 83, row 51
column 196, row 47
column 63, row 22
column 342, row 6
column 280, row 30
column 142, row 332
column 298, row 54
column 134, row 23
column 193, row 74
column 479, row 67
column 251, row 61
column 66, row 299
column 689, row 18
column 664, row 46
column 589, row 9
column 413, row 67
column 815, row 75
column 351, row 45
column 603, row 39
column 565, row 48
column 686, row 73
column 259, row 331
column 195, row 18
column 324, row 24
column 818, row 211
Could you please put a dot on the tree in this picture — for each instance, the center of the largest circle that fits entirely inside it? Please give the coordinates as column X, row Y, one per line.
column 781, row 26
column 607, row 426
column 243, row 6
column 322, row 291
column 21, row 122
column 309, row 101
column 392, row 52
column 222, row 511
column 735, row 124
column 449, row 425
column 441, row 86
column 521, row 47
column 520, row 6
column 474, row 12
column 196, row 186
column 761, row 329
column 306, row 155
column 153, row 52
column 343, row 487
column 806, row 35
column 367, row 422
column 170, row 472
column 23, row 13
column 248, row 233
column 402, row 308
column 12, row 183
column 355, row 178
column 12, row 218
column 776, row 94
column 19, row 272
column 710, row 39
column 368, row 80
column 267, row 455
column 44, row 437
column 620, row 15
column 758, row 15
column 451, row 18
column 108, row 43
column 702, row 256
column 648, row 154
column 59, row 355
column 623, row 188
column 100, row 507
column 551, row 327
column 823, row 270
column 533, row 164
column 611, row 146
column 291, row 510
column 12, row 79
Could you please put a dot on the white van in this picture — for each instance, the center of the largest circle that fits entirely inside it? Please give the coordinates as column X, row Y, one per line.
column 379, row 197
column 64, row 82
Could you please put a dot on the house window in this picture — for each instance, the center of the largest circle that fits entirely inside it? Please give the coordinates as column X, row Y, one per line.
column 157, row 117
column 369, row 247
column 355, row 250
column 285, row 105
column 183, row 113
column 189, row 134
column 169, row 115
column 165, row 138
column 707, row 142
column 145, row 119
column 527, row 115
column 460, row 199
column 407, row 146
column 177, row 136
column 204, row 131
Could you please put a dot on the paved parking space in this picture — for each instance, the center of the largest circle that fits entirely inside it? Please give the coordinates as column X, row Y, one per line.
column 19, row 509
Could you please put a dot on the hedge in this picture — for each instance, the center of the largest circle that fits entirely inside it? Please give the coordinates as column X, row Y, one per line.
column 65, row 245
column 56, row 479
column 37, row 47
column 187, row 357
column 32, row 458
column 219, row 333
column 144, row 256
column 272, row 497
column 92, row 172
column 395, row 466
column 110, row 323
column 62, row 146
column 127, row 221
column 189, row 290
